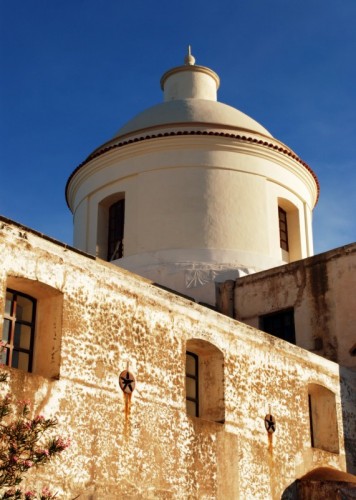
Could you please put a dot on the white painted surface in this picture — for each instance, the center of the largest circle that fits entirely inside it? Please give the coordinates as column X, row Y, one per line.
column 195, row 202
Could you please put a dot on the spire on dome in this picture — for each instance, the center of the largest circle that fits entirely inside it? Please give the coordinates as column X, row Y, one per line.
column 189, row 59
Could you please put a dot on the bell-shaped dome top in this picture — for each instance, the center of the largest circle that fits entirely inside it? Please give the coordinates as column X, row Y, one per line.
column 192, row 111
column 190, row 98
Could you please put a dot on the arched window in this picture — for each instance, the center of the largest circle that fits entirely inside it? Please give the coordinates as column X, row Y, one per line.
column 192, row 383
column 116, row 230
column 32, row 327
column 289, row 230
column 205, row 381
column 18, row 330
column 111, row 227
column 323, row 418
column 283, row 229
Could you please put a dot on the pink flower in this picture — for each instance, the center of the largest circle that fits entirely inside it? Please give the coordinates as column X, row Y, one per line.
column 43, row 452
column 7, row 398
column 28, row 464
column 25, row 402
column 62, row 444
column 46, row 491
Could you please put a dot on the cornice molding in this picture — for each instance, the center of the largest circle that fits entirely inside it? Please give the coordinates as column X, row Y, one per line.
column 261, row 143
column 192, row 69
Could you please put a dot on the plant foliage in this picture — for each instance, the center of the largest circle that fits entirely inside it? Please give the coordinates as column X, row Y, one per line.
column 24, row 444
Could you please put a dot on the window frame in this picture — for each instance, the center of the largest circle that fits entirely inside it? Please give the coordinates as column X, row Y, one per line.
column 211, row 384
column 311, row 422
column 47, row 344
column 281, row 314
column 9, row 346
column 116, row 230
column 194, row 377
column 283, row 231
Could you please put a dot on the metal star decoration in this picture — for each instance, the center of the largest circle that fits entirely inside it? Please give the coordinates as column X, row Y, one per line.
column 127, row 382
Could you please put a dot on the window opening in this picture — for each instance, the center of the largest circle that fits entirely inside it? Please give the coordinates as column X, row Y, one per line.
column 192, row 383
column 116, row 230
column 204, row 381
column 311, row 421
column 283, row 229
column 280, row 324
column 18, row 330
column 323, row 419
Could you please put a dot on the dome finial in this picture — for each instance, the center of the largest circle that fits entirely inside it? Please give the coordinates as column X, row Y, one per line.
column 189, row 59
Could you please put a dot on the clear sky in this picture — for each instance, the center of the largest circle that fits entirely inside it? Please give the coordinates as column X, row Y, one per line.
column 74, row 71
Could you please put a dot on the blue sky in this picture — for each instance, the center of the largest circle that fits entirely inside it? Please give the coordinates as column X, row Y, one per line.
column 74, row 71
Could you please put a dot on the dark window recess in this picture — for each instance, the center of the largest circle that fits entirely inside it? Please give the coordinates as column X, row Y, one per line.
column 280, row 324
column 353, row 350
column 283, row 230
column 192, row 384
column 18, row 330
column 116, row 230
column 311, row 421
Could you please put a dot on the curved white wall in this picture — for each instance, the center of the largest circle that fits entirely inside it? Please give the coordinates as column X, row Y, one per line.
column 202, row 183
column 196, row 208
column 186, row 82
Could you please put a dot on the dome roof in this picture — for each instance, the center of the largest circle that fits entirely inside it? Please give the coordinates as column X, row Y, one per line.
column 190, row 99
column 192, row 111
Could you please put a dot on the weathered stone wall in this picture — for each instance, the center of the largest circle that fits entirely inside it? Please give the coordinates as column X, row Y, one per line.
column 148, row 447
column 321, row 289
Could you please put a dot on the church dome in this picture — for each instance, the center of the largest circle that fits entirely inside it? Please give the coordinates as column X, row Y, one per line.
column 190, row 99
column 192, row 111
column 193, row 192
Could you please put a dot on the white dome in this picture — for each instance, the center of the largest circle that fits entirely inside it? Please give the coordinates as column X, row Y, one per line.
column 200, row 183
column 192, row 111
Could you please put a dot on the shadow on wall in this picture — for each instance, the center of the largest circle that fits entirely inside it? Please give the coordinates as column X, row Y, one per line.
column 348, row 409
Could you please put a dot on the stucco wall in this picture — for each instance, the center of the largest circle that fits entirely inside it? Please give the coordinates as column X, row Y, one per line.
column 321, row 290
column 148, row 447
column 188, row 207
column 199, row 190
